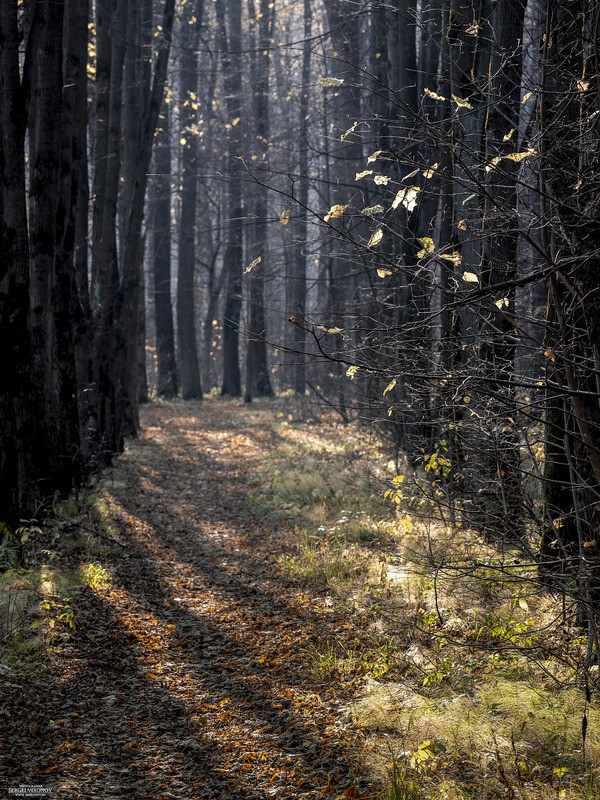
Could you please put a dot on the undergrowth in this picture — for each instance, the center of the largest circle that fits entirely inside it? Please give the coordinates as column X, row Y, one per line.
column 474, row 676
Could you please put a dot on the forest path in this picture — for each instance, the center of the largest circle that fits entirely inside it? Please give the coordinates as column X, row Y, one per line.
column 187, row 676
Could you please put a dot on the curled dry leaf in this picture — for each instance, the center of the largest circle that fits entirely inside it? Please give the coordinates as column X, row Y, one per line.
column 335, row 212
column 375, row 238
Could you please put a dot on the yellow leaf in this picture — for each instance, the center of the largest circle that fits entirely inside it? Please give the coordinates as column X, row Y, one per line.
column 428, row 246
column 284, row 218
column 330, row 82
column 502, row 303
column 470, row 277
column 389, row 387
column 183, row 140
column 381, row 180
column 470, row 197
column 374, row 156
column 461, row 103
column 375, row 238
column 329, row 330
column 429, row 173
column 454, row 257
column 235, row 121
column 463, row 225
column 407, row 197
column 520, row 156
column 493, row 163
column 335, row 212
column 253, row 264
column 351, row 372
column 384, row 273
column 363, row 174
column 527, row 96
column 411, row 174
column 432, row 95
column 507, row 137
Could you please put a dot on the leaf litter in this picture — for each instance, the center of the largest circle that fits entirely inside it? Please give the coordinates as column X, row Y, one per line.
column 186, row 676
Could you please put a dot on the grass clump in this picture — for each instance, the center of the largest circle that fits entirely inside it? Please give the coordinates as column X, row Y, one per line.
column 94, row 576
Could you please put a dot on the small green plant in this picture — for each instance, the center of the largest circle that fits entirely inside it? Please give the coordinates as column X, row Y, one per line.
column 10, row 548
column 58, row 610
column 94, row 576
column 405, row 782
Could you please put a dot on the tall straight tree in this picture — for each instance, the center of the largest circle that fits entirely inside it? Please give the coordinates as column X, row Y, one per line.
column 18, row 407
column 167, row 382
column 230, row 40
column 189, row 368
column 258, row 382
column 130, row 295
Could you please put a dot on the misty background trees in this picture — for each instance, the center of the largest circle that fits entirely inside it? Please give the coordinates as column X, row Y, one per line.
column 390, row 208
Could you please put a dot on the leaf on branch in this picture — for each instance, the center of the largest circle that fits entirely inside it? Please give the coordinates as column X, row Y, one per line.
column 374, row 156
column 454, row 258
column 429, row 173
column 375, row 238
column 329, row 330
column 253, row 264
column 384, row 273
column 407, row 197
column 363, row 174
column 351, row 371
column 463, row 225
column 527, row 96
column 461, row 103
column 493, row 163
column 335, row 212
column 550, row 354
column 470, row 277
column 520, row 156
column 371, row 210
column 473, row 28
column 411, row 174
column 508, row 136
column 349, row 131
column 432, row 95
column 285, row 217
column 502, row 303
column 330, row 82
column 381, row 180
column 428, row 246
column 389, row 387
column 470, row 197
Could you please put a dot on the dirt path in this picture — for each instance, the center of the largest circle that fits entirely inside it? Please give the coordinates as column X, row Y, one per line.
column 186, row 676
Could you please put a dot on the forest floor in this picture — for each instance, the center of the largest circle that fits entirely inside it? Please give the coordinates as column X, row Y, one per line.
column 235, row 610
column 186, row 674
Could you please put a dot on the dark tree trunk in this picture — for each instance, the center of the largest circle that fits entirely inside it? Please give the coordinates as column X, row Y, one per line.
column 167, row 385
column 258, row 382
column 186, row 296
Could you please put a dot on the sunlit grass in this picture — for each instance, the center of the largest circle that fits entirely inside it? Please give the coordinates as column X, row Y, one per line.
column 485, row 666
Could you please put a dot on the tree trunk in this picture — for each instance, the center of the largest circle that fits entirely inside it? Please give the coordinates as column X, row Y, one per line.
column 186, row 296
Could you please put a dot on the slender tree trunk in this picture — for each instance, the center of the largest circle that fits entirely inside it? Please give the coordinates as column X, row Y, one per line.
column 186, row 296
column 258, row 381
column 230, row 37
column 167, row 383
